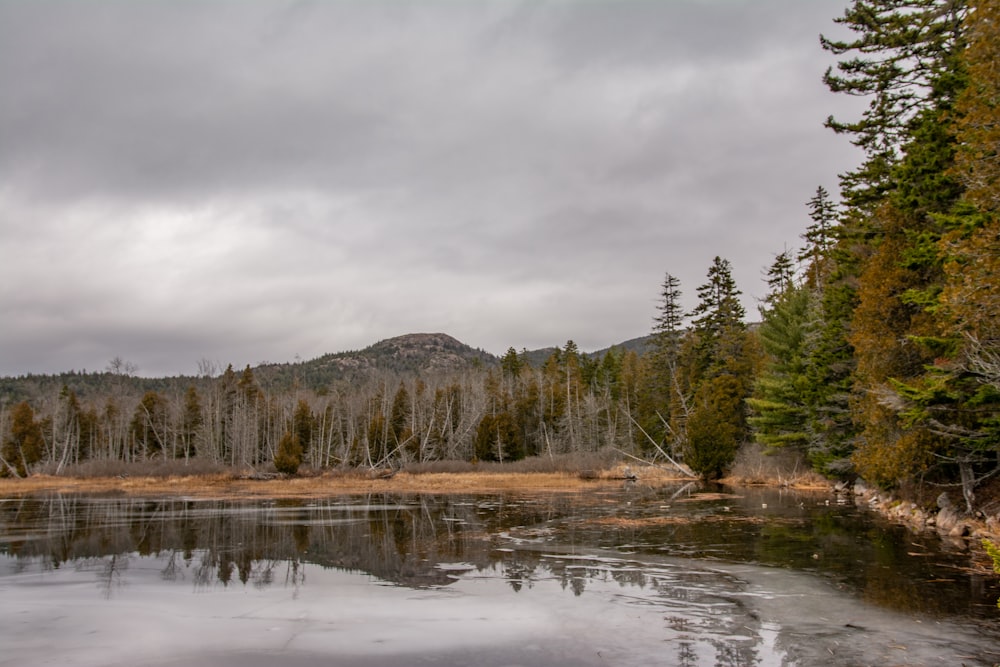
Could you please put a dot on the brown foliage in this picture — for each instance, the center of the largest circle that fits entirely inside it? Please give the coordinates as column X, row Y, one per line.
column 978, row 159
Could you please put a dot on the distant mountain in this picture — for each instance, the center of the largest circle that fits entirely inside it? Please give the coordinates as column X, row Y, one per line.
column 417, row 354
column 410, row 354
column 537, row 358
column 639, row 345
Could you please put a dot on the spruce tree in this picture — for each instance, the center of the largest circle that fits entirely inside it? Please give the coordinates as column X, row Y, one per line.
column 192, row 422
column 780, row 276
column 663, row 414
column 881, row 301
column 23, row 447
column 719, row 362
column 288, row 458
column 779, row 403
column 957, row 397
column 819, row 237
column 900, row 58
column 303, row 424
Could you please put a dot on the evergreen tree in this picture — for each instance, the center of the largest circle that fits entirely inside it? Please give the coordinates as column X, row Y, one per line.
column 897, row 332
column 288, row 458
column 399, row 418
column 717, row 317
column 956, row 397
column 881, row 300
column 669, row 320
column 901, row 58
column 573, row 386
column 663, row 413
column 498, row 437
column 23, row 447
column 830, row 363
column 819, row 237
column 978, row 124
column 66, row 429
column 511, row 363
column 715, row 428
column 192, row 422
column 780, row 396
column 304, row 425
column 718, row 299
column 150, row 425
column 720, row 361
column 780, row 276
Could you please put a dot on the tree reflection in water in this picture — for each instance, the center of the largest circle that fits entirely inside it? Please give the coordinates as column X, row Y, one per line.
column 642, row 549
column 406, row 539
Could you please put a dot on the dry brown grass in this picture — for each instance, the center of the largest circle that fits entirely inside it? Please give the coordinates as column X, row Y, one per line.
column 653, row 521
column 756, row 467
column 326, row 484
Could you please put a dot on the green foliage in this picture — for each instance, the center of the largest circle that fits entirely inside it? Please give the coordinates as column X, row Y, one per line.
column 715, row 371
column 829, row 369
column 994, row 553
column 150, row 424
column 23, row 447
column 978, row 130
column 903, row 57
column 399, row 419
column 780, row 396
column 780, row 276
column 820, row 238
column 719, row 306
column 914, row 408
column 670, row 315
column 715, row 427
column 497, row 438
column 192, row 421
column 288, row 458
column 303, row 424
column 511, row 363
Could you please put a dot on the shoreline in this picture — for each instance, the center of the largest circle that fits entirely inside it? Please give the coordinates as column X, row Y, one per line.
column 947, row 522
column 960, row 531
column 228, row 486
column 224, row 486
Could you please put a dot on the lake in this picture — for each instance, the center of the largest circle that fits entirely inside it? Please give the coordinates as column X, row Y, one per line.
column 614, row 576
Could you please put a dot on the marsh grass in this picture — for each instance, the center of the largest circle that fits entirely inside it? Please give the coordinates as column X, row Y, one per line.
column 152, row 468
column 755, row 465
column 560, row 463
column 560, row 473
column 557, row 474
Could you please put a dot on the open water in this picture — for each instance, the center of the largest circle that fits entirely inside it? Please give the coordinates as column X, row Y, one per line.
column 632, row 576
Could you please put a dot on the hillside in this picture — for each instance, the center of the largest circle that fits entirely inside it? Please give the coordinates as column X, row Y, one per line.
column 410, row 354
column 638, row 345
column 417, row 354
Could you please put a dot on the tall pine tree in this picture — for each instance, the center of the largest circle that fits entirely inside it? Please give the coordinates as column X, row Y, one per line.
column 719, row 361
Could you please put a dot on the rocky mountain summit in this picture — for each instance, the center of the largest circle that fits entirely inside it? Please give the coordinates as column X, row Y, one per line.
column 410, row 353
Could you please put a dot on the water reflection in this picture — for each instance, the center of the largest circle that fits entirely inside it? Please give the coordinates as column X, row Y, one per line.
column 416, row 541
column 754, row 578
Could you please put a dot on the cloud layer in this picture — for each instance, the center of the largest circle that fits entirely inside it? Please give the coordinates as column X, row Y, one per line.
column 250, row 181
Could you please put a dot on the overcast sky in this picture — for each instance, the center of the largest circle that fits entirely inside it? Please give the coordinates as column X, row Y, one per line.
column 247, row 181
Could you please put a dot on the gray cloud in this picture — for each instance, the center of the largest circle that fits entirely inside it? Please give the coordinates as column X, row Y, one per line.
column 254, row 180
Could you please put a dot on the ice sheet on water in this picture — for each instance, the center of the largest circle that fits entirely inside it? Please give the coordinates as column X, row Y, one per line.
column 594, row 612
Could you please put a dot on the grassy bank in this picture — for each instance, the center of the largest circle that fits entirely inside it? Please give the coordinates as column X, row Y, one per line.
column 568, row 473
column 230, row 485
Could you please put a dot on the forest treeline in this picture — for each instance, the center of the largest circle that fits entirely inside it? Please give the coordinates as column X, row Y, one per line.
column 877, row 354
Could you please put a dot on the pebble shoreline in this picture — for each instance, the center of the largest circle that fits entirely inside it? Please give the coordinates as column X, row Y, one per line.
column 948, row 521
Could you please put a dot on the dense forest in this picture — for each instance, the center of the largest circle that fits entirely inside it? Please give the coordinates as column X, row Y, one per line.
column 877, row 354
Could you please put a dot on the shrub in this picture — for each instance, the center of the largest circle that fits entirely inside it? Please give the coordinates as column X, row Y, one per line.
column 289, row 456
column 994, row 553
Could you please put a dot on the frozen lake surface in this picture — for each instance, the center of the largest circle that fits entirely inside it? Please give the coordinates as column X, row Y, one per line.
column 635, row 576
